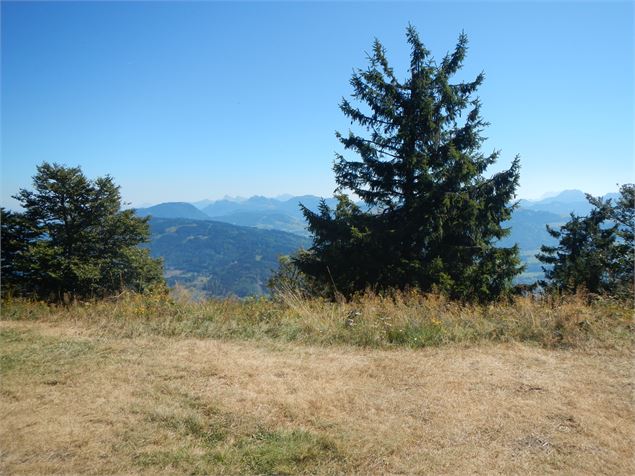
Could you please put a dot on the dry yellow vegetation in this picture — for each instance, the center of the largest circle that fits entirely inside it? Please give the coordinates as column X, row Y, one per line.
column 105, row 388
column 411, row 320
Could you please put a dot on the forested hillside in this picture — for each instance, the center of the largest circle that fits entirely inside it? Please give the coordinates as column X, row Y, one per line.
column 218, row 259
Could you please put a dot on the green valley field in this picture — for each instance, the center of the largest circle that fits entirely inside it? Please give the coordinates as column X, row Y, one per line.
column 410, row 385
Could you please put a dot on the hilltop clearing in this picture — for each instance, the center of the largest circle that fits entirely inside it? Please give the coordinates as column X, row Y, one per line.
column 81, row 397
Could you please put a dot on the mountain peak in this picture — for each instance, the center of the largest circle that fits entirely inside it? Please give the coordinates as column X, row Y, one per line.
column 572, row 195
column 173, row 210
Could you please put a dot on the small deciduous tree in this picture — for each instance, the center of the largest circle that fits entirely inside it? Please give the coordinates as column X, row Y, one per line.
column 73, row 239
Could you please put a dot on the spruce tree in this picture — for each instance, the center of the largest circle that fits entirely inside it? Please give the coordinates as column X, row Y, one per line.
column 430, row 219
column 594, row 252
column 581, row 258
column 622, row 215
column 17, row 265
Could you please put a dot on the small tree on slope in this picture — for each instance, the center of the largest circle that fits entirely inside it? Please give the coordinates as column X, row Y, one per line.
column 431, row 217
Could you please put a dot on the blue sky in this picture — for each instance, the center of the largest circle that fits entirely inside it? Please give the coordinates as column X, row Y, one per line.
column 186, row 101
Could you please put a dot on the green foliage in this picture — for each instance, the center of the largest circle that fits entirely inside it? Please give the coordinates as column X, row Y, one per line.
column 432, row 218
column 18, row 267
column 74, row 240
column 622, row 213
column 594, row 252
column 288, row 279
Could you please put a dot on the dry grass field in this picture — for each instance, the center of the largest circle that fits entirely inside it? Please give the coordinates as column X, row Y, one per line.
column 80, row 395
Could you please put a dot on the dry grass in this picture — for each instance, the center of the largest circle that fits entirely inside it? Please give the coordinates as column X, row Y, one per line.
column 80, row 395
column 402, row 320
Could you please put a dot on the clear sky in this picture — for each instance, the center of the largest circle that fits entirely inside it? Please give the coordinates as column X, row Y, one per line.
column 186, row 101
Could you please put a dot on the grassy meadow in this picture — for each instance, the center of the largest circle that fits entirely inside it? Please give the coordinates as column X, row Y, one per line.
column 406, row 384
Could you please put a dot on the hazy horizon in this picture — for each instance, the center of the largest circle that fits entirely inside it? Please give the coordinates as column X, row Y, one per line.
column 286, row 196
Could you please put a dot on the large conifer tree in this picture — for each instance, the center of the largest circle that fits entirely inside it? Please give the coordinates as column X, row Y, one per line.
column 431, row 218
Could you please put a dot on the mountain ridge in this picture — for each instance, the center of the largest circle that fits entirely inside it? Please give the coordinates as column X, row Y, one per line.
column 173, row 210
column 573, row 198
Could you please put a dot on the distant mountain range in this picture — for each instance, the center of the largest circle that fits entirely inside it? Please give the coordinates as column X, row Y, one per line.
column 257, row 211
column 230, row 246
column 564, row 203
column 283, row 213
